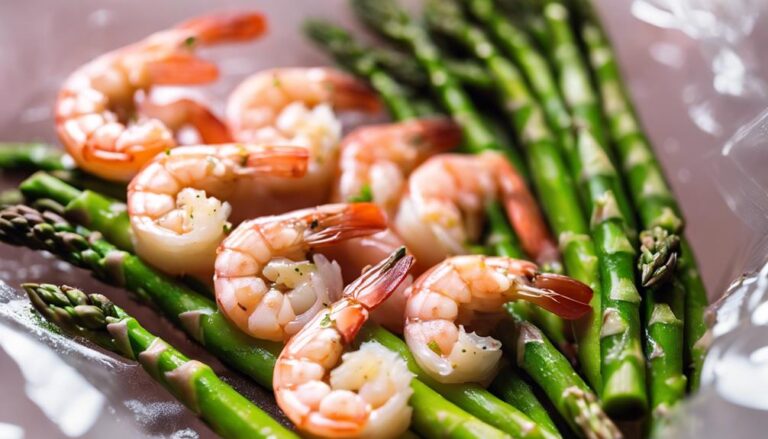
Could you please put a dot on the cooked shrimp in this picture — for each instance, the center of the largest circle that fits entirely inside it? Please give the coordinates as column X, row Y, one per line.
column 375, row 160
column 374, row 164
column 366, row 393
column 180, row 202
column 442, row 210
column 467, row 290
column 264, row 283
column 182, row 112
column 95, row 107
column 296, row 106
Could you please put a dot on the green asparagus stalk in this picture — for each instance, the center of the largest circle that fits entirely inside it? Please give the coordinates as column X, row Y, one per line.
column 622, row 361
column 37, row 156
column 653, row 199
column 386, row 17
column 576, row 88
column 193, row 383
column 511, row 387
column 697, row 333
column 534, row 66
column 664, row 327
column 197, row 315
column 573, row 399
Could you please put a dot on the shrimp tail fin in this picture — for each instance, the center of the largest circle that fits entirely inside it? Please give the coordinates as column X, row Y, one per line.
column 279, row 161
column 227, row 27
column 380, row 281
column 438, row 134
column 351, row 221
column 371, row 289
column 182, row 69
column 559, row 294
column 350, row 93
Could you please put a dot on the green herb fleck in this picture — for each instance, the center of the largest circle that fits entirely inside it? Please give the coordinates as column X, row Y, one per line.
column 365, row 195
column 190, row 41
column 326, row 321
column 434, row 347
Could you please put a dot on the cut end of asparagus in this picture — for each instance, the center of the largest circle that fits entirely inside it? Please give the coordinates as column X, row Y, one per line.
column 624, row 395
column 659, row 251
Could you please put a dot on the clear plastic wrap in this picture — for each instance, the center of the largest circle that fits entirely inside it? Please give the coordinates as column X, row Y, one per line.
column 696, row 69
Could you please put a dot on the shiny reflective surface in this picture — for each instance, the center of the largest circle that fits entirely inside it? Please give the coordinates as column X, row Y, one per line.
column 53, row 387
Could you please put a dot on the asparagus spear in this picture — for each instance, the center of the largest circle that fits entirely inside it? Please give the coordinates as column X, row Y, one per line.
column 576, row 87
column 386, row 17
column 534, row 66
column 45, row 157
column 573, row 399
column 193, row 383
column 38, row 156
column 511, row 387
column 197, row 315
column 622, row 362
column 664, row 327
column 651, row 194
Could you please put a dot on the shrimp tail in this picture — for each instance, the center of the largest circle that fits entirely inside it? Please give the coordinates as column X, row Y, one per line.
column 227, row 27
column 559, row 294
column 352, row 221
column 371, row 289
column 279, row 161
column 182, row 111
column 438, row 134
column 351, row 93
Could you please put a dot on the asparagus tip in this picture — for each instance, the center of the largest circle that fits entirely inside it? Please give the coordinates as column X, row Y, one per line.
column 659, row 252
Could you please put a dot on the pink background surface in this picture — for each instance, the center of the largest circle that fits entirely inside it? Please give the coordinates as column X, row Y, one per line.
column 41, row 42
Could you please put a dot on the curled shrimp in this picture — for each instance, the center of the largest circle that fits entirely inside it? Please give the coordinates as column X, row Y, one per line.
column 95, row 107
column 374, row 163
column 264, row 283
column 471, row 290
column 375, row 160
column 443, row 208
column 296, row 106
column 366, row 393
column 180, row 202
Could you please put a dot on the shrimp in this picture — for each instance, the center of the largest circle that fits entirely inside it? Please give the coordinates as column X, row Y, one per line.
column 296, row 106
column 471, row 290
column 180, row 202
column 263, row 281
column 442, row 210
column 376, row 159
column 366, row 393
column 95, row 108
column 374, row 164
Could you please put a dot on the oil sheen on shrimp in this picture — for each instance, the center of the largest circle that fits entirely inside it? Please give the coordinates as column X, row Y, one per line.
column 297, row 106
column 179, row 204
column 96, row 114
column 374, row 164
column 470, row 291
column 361, row 394
column 443, row 209
column 264, row 282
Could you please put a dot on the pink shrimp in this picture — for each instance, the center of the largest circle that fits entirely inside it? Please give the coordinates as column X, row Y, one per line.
column 363, row 393
column 442, row 210
column 467, row 290
column 95, row 106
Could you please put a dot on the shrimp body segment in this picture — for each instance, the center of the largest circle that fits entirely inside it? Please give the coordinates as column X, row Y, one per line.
column 443, row 208
column 180, row 202
column 96, row 106
column 469, row 291
column 264, row 283
column 297, row 106
column 328, row 393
